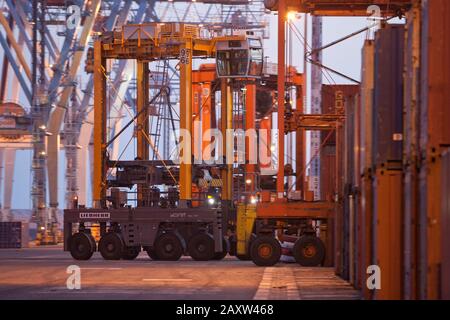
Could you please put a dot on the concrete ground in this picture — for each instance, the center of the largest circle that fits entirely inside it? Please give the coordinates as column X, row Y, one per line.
column 41, row 273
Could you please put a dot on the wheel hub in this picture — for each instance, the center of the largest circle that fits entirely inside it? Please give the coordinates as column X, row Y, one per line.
column 264, row 251
column 309, row 251
column 168, row 247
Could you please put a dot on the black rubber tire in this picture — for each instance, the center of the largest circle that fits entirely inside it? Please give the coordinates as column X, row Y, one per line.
column 226, row 249
column 265, row 251
column 111, row 246
column 168, row 247
column 233, row 245
column 246, row 257
column 81, row 246
column 201, row 247
column 131, row 253
column 309, row 251
column 152, row 254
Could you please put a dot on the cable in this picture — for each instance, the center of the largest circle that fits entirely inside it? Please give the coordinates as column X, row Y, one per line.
column 313, row 157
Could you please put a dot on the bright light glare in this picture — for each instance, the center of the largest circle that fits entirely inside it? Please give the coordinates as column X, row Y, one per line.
column 292, row 15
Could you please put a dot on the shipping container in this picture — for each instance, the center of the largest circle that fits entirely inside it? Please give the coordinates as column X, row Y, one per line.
column 411, row 154
column 366, row 105
column 435, row 64
column 328, row 172
column 434, row 131
column 348, row 239
column 366, row 226
column 364, row 120
column 388, row 95
column 339, row 218
column 445, row 240
column 351, row 242
column 14, row 235
column 388, row 234
column 334, row 98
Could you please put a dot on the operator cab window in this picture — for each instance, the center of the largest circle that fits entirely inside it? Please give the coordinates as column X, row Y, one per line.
column 240, row 59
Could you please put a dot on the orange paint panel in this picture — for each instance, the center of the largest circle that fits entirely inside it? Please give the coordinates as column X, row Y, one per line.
column 438, row 67
column 318, row 210
column 445, row 214
column 434, row 228
column 366, row 230
column 388, row 233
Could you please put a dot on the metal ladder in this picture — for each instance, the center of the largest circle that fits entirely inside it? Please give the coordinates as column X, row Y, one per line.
column 161, row 70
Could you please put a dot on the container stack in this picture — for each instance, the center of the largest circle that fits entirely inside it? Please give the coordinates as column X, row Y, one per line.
column 397, row 209
column 335, row 98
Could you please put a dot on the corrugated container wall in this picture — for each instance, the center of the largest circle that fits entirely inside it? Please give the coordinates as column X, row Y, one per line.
column 388, row 95
column 435, row 75
column 366, row 122
column 379, row 226
column 445, row 241
column 352, row 219
column 14, row 235
column 411, row 156
column 434, row 139
column 334, row 98
column 387, row 211
column 365, row 161
column 387, row 159
column 333, row 102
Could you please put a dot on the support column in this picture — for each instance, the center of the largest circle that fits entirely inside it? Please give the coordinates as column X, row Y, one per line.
column 300, row 148
column 226, row 118
column 186, row 125
column 99, row 176
column 250, row 143
column 206, row 115
column 281, row 92
column 9, row 158
column 316, row 103
column 83, row 156
column 142, row 128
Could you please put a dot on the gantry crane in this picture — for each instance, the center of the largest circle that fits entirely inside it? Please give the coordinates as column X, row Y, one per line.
column 339, row 7
column 165, row 226
column 257, row 223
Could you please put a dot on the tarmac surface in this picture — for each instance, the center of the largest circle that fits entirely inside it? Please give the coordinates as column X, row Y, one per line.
column 42, row 273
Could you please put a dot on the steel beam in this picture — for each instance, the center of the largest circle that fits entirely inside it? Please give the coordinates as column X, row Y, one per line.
column 57, row 116
column 142, row 124
column 250, row 144
column 65, row 54
column 87, row 117
column 9, row 162
column 15, row 45
column 15, row 67
column 282, row 12
column 20, row 22
column 186, row 125
column 98, row 187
